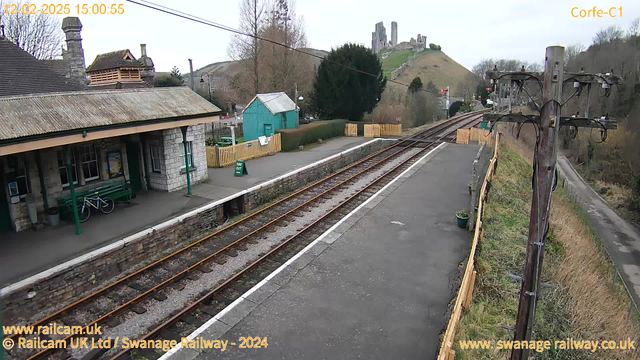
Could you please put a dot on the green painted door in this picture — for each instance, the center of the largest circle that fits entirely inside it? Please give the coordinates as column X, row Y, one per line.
column 5, row 216
column 133, row 158
column 268, row 130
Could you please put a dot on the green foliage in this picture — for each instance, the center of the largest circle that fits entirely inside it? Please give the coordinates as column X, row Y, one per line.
column 396, row 59
column 174, row 79
column 339, row 92
column 482, row 91
column 416, row 85
column 310, row 133
column 455, row 107
column 467, row 106
column 433, row 46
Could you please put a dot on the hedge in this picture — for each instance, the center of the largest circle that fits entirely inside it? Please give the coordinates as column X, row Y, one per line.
column 310, row 133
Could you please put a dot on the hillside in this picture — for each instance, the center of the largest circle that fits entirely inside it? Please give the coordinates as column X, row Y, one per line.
column 429, row 65
column 231, row 68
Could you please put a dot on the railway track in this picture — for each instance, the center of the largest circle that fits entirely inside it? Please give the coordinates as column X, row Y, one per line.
column 110, row 306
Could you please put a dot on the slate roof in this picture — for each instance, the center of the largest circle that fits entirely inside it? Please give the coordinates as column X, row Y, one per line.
column 31, row 115
column 277, row 102
column 21, row 73
column 113, row 60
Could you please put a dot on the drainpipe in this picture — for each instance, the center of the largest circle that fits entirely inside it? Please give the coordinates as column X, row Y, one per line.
column 43, row 187
column 74, row 205
column 186, row 158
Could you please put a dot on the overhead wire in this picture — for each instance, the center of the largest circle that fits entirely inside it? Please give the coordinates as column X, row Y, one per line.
column 187, row 16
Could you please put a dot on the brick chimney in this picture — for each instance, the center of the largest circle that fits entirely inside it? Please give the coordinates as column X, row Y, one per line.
column 149, row 70
column 74, row 55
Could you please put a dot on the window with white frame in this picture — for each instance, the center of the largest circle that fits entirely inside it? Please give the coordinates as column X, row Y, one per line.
column 62, row 168
column 89, row 160
column 189, row 155
column 156, row 158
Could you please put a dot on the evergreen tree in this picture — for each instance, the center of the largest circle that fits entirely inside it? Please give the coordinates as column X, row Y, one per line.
column 416, row 85
column 341, row 92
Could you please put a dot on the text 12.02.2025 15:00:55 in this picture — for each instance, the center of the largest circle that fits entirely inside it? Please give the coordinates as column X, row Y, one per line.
column 64, row 9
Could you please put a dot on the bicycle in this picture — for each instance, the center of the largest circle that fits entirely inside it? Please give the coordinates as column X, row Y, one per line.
column 105, row 205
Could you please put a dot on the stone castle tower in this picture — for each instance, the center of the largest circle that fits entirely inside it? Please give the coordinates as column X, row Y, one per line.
column 74, row 54
column 394, row 33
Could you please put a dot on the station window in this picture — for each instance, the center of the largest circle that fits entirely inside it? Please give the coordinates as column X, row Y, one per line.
column 62, row 168
column 156, row 158
column 89, row 163
column 189, row 155
column 22, row 178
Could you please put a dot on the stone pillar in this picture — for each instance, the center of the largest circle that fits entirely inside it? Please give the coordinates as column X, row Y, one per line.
column 74, row 55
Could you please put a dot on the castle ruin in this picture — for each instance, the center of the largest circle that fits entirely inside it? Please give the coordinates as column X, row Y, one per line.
column 379, row 40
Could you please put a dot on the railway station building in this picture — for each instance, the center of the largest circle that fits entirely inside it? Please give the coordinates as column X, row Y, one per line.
column 136, row 137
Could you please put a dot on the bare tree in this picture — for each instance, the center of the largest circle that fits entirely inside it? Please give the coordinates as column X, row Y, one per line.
column 482, row 67
column 610, row 34
column 572, row 51
column 287, row 67
column 634, row 27
column 246, row 49
column 38, row 34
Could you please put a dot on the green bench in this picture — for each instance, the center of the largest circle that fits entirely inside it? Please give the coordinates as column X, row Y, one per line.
column 115, row 190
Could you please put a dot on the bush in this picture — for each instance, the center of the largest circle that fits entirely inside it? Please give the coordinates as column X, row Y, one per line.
column 310, row 133
column 433, row 46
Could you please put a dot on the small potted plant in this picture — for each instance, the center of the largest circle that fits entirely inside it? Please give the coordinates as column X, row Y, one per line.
column 463, row 217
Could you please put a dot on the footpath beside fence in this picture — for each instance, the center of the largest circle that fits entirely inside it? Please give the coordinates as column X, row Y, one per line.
column 225, row 156
column 465, row 293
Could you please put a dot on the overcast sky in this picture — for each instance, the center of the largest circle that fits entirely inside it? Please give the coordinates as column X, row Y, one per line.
column 467, row 30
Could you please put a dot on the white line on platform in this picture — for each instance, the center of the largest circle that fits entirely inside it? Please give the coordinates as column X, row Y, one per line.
column 257, row 286
column 135, row 237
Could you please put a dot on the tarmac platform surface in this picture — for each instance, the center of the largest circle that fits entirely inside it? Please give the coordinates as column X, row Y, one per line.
column 376, row 286
column 29, row 252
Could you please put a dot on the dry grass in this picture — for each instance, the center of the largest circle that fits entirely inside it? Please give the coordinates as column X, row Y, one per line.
column 589, row 304
column 601, row 307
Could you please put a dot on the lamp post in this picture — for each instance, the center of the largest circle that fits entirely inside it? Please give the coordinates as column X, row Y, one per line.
column 297, row 109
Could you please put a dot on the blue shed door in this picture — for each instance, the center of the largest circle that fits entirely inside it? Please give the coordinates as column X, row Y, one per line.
column 268, row 130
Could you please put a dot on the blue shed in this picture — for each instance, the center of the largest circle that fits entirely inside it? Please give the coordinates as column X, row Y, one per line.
column 268, row 113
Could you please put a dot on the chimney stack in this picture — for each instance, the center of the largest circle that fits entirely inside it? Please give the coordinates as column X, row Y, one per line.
column 74, row 55
column 149, row 70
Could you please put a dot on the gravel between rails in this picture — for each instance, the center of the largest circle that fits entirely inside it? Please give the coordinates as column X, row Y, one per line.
column 135, row 325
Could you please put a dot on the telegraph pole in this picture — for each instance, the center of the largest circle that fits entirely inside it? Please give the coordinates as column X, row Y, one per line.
column 191, row 74
column 543, row 184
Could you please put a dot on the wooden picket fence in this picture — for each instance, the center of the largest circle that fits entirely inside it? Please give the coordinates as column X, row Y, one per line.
column 463, row 136
column 377, row 130
column 351, row 130
column 465, row 293
column 225, row 156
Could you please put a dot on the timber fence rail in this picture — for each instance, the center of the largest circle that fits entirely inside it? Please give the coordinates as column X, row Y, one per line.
column 225, row 156
column 465, row 293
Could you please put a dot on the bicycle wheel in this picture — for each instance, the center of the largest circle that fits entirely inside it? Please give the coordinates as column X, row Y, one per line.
column 84, row 212
column 107, row 205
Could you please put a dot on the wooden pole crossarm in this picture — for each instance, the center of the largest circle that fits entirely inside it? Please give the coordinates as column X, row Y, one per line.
column 609, row 124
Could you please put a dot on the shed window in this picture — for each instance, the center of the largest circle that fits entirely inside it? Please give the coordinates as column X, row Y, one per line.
column 90, row 163
column 62, row 168
column 189, row 155
column 156, row 158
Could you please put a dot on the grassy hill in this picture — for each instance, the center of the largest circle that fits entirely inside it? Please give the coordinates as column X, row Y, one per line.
column 429, row 65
